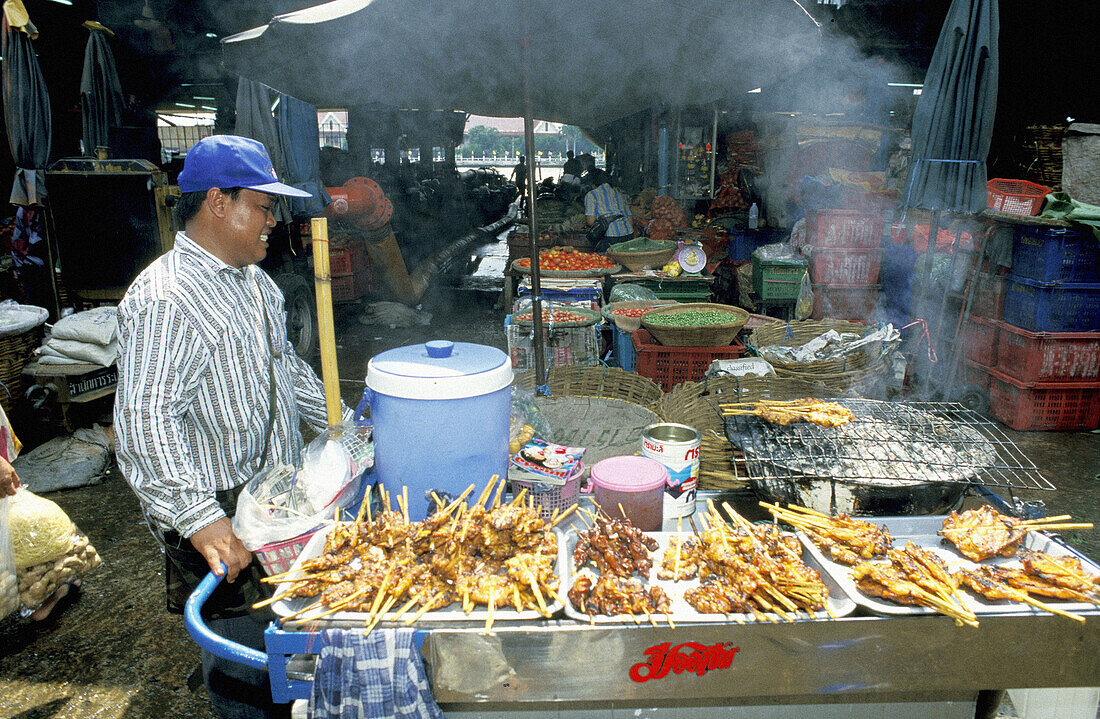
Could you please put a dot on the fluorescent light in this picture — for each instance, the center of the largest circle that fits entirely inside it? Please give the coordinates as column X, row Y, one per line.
column 207, row 107
column 905, row 84
column 917, row 91
column 63, row 2
column 211, row 34
column 184, row 104
column 197, row 97
column 759, row 89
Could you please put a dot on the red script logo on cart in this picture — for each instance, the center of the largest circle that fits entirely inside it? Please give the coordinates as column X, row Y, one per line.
column 687, row 657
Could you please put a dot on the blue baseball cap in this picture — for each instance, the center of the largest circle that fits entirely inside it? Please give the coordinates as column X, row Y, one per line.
column 232, row 161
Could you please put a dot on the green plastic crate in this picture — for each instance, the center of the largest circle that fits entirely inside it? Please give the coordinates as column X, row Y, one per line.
column 776, row 280
column 682, row 291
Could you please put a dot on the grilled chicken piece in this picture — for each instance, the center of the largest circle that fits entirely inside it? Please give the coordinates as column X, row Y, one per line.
column 1020, row 579
column 718, row 595
column 610, row 595
column 982, row 533
column 680, row 560
column 988, row 585
column 1063, row 571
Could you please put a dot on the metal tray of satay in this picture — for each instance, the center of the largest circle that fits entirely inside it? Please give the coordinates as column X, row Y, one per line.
column 451, row 615
column 839, row 603
column 924, row 532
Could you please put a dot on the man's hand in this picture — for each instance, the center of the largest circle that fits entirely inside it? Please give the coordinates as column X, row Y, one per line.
column 217, row 543
column 9, row 480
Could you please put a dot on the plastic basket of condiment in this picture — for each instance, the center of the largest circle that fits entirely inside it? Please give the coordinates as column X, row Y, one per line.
column 1015, row 197
column 1045, row 406
column 278, row 557
column 1052, row 306
column 1055, row 254
column 669, row 366
column 844, row 228
column 980, row 341
column 845, row 266
column 551, row 498
column 1048, row 356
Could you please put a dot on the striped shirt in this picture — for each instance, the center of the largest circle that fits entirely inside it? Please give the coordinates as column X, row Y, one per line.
column 192, row 403
column 605, row 201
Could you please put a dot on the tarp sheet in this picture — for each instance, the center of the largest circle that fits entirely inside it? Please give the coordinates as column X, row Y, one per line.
column 590, row 62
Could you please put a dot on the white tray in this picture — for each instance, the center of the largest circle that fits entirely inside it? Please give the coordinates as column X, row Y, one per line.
column 922, row 531
column 451, row 613
column 682, row 612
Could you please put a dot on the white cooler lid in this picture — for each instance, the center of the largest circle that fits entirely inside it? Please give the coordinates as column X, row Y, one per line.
column 439, row 369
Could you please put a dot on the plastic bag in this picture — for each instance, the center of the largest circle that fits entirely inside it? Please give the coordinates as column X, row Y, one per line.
column 628, row 291
column 49, row 549
column 804, row 306
column 15, row 319
column 9, row 587
column 97, row 326
column 527, row 419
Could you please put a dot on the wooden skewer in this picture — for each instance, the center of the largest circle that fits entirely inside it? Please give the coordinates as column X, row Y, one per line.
column 622, row 511
column 406, row 607
column 1048, row 608
column 403, row 508
column 367, row 499
column 363, row 507
column 382, row 612
column 668, row 618
column 1069, row 525
column 518, row 500
column 385, row 499
column 496, row 497
column 405, row 503
column 437, row 500
column 272, row 599
column 564, row 514
column 424, row 608
column 517, row 601
column 492, row 600
column 450, row 507
column 1044, row 520
column 339, row 605
column 300, row 612
column 651, row 619
column 538, row 597
column 487, row 492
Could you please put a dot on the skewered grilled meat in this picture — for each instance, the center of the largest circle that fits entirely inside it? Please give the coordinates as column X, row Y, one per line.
column 1063, row 571
column 824, row 414
column 615, row 547
column 983, row 532
column 680, row 560
column 881, row 579
column 1032, row 584
column 611, row 595
column 718, row 595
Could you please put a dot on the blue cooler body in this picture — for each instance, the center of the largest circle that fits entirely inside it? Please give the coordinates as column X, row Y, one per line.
column 441, row 413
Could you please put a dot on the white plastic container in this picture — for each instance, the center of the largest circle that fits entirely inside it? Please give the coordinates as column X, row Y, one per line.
column 441, row 412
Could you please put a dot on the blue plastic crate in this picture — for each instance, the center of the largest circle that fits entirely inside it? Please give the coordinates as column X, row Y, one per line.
column 742, row 242
column 623, row 348
column 1052, row 306
column 1055, row 254
column 592, row 296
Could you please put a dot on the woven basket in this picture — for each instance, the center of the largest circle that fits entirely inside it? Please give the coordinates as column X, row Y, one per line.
column 701, row 336
column 629, row 324
column 15, row 353
column 696, row 405
column 555, row 273
column 638, row 261
column 858, row 371
column 592, row 315
column 610, row 382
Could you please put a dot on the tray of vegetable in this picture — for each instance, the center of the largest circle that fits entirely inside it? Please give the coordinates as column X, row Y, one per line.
column 568, row 262
column 695, row 324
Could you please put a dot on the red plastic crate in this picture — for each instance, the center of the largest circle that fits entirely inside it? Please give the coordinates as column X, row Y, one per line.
column 1048, row 356
column 346, row 259
column 976, row 374
column 1015, row 197
column 843, row 302
column 844, row 228
column 669, row 366
column 1046, row 406
column 346, row 288
column 980, row 341
column 845, row 266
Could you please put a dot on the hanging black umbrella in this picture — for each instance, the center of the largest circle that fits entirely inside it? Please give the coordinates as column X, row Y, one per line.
column 953, row 121
column 26, row 107
column 101, row 99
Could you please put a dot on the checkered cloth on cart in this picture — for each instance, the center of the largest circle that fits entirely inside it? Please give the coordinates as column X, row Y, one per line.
column 378, row 675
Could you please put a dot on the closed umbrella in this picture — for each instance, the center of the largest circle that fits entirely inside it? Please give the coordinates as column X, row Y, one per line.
column 256, row 119
column 953, row 121
column 26, row 106
column 101, row 99
column 299, row 139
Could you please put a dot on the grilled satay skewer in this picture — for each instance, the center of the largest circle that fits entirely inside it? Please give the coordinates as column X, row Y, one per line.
column 988, row 586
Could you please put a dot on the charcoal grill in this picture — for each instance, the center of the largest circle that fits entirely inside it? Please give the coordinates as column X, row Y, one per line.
column 894, row 458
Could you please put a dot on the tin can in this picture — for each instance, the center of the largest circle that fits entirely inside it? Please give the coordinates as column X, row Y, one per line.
column 677, row 447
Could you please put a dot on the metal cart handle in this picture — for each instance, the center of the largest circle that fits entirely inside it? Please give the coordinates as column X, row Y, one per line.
column 206, row 638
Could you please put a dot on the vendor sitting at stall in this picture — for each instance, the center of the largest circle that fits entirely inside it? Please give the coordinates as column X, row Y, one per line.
column 604, row 201
column 209, row 392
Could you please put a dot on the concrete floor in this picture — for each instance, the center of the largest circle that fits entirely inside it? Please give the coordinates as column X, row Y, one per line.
column 115, row 653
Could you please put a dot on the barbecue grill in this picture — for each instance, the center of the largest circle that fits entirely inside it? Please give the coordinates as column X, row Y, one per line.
column 894, row 458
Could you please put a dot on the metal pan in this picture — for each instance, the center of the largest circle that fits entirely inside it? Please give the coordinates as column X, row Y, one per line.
column 449, row 614
column 682, row 612
column 922, row 531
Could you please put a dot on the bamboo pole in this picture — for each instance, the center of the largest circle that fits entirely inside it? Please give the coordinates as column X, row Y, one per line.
column 326, row 332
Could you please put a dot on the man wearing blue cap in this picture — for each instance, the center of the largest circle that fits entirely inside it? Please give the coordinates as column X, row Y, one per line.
column 209, row 392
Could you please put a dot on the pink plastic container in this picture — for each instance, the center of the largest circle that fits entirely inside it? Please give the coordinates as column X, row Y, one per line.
column 637, row 483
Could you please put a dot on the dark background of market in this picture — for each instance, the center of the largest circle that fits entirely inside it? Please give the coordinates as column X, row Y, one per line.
column 114, row 652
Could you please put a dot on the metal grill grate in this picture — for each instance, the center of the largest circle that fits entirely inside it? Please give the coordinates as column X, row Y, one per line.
column 888, row 443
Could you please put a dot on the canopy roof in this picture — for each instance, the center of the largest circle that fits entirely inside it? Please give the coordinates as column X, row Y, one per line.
column 590, row 62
